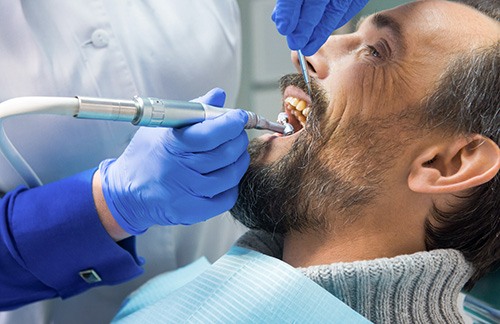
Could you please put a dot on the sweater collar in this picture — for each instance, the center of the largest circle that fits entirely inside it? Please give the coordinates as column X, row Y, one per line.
column 422, row 287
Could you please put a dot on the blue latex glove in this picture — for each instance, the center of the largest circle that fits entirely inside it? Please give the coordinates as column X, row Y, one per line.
column 307, row 24
column 178, row 176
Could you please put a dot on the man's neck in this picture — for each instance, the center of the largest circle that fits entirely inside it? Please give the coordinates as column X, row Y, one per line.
column 369, row 237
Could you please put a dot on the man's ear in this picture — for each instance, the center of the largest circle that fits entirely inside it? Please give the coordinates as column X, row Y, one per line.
column 455, row 166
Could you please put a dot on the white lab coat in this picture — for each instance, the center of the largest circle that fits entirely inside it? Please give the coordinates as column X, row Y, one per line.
column 116, row 49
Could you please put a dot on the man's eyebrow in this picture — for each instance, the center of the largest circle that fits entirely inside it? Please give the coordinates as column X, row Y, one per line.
column 382, row 21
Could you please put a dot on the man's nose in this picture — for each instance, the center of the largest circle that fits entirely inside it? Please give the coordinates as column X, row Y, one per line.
column 324, row 61
column 317, row 64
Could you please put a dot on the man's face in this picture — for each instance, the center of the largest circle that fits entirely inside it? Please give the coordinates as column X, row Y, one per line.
column 360, row 134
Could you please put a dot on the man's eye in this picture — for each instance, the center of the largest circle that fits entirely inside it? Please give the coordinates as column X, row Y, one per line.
column 373, row 52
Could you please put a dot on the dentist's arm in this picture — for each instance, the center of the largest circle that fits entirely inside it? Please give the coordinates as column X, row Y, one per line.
column 175, row 176
column 307, row 24
column 61, row 239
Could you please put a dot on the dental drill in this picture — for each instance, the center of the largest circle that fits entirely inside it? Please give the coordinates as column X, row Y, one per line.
column 153, row 112
column 140, row 111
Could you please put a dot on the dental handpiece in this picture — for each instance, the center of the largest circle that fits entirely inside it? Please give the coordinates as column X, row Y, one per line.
column 155, row 112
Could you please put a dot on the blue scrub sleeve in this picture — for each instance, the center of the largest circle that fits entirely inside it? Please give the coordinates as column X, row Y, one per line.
column 48, row 235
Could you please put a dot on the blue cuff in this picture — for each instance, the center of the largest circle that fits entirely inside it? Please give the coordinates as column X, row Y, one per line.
column 57, row 234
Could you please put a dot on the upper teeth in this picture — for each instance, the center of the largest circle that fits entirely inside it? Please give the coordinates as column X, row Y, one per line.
column 298, row 108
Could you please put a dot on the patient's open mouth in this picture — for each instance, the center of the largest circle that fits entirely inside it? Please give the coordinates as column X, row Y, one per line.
column 297, row 111
column 297, row 106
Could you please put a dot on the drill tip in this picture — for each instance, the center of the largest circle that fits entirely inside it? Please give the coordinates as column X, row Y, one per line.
column 289, row 130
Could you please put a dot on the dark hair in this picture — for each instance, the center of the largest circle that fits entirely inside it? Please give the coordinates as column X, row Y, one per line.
column 488, row 7
column 467, row 101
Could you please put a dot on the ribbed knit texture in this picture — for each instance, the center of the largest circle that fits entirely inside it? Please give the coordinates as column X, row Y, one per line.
column 418, row 288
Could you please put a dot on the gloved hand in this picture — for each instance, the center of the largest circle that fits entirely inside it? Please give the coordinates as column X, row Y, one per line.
column 307, row 24
column 178, row 176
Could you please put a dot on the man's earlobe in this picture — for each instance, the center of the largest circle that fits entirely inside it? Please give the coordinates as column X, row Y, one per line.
column 451, row 167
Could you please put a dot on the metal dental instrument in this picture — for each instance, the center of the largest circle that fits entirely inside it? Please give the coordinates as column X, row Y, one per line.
column 155, row 112
column 283, row 120
column 139, row 111
column 303, row 67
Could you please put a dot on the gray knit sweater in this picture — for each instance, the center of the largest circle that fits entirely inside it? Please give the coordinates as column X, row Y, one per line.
column 417, row 288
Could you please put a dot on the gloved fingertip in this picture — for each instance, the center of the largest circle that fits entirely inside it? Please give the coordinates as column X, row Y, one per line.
column 215, row 97
column 296, row 42
column 216, row 92
column 291, row 46
column 315, row 42
column 283, row 26
column 311, row 48
column 237, row 117
column 243, row 115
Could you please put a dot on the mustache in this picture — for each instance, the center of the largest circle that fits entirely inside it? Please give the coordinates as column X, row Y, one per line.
column 294, row 79
column 297, row 80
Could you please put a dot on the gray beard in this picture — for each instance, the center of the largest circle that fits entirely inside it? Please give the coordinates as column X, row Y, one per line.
column 329, row 176
column 267, row 199
column 301, row 190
